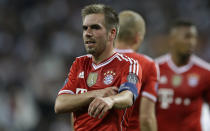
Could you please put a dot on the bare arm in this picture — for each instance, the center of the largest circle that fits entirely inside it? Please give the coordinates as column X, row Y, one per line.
column 123, row 99
column 99, row 106
column 69, row 103
column 147, row 115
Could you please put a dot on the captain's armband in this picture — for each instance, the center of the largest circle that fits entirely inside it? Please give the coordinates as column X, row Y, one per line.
column 131, row 87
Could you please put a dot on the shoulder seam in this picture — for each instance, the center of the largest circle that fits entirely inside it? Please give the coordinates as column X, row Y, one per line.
column 201, row 63
column 148, row 58
column 161, row 59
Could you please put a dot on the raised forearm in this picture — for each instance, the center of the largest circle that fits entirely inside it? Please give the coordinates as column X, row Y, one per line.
column 99, row 106
column 69, row 103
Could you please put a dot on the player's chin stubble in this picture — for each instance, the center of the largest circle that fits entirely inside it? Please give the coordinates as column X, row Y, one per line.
column 90, row 51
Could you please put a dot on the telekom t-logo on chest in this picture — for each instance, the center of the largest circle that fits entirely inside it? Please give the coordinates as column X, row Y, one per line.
column 165, row 97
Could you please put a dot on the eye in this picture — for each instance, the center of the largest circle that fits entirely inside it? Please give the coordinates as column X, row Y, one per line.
column 96, row 27
column 84, row 27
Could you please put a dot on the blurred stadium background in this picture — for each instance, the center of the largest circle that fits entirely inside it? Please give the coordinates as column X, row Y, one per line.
column 40, row 38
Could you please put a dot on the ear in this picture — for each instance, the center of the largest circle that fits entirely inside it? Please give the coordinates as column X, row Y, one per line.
column 112, row 34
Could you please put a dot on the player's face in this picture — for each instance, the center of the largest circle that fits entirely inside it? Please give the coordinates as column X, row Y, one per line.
column 94, row 34
column 184, row 40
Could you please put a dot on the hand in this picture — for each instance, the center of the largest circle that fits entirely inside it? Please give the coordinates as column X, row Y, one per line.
column 106, row 92
column 99, row 106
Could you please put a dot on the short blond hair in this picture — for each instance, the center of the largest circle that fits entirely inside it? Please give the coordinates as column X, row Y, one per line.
column 110, row 15
column 131, row 23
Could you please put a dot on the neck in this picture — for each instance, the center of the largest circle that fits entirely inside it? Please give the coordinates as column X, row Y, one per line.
column 180, row 59
column 123, row 45
column 109, row 51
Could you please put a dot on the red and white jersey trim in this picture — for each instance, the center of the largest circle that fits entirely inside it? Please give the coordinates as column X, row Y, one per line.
column 181, row 69
column 193, row 60
column 176, row 69
column 134, row 65
column 150, row 96
column 133, row 68
column 104, row 63
column 162, row 59
column 66, row 92
column 88, row 55
column 158, row 71
column 199, row 62
column 145, row 56
column 124, row 50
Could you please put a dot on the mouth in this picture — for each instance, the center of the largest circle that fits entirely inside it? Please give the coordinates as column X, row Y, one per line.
column 90, row 42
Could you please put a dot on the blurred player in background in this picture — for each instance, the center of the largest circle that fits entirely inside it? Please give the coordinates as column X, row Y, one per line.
column 102, row 81
column 131, row 34
column 184, row 82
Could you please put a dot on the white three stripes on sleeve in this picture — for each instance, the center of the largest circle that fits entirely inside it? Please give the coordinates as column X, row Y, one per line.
column 134, row 65
column 137, row 68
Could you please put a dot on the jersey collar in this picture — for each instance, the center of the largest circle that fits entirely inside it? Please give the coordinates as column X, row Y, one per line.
column 124, row 50
column 105, row 62
column 178, row 69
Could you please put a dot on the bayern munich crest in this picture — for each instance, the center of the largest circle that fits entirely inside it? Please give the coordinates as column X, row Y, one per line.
column 193, row 80
column 109, row 77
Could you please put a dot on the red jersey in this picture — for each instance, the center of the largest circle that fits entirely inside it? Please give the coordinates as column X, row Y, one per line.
column 150, row 74
column 182, row 91
column 85, row 76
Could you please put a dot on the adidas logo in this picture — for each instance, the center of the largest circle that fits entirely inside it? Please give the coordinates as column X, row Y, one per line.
column 81, row 74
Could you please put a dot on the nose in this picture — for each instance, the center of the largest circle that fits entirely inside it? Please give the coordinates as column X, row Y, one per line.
column 88, row 32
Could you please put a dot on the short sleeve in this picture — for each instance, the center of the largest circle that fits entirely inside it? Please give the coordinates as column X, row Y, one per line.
column 150, row 85
column 132, row 73
column 69, row 86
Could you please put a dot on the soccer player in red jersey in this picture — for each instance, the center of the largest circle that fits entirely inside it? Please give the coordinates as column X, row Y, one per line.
column 101, row 86
column 131, row 34
column 184, row 82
